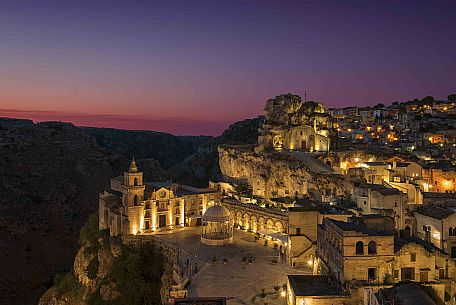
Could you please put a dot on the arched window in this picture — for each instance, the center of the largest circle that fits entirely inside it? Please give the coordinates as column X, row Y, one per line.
column 372, row 247
column 360, row 248
column 135, row 182
column 136, row 200
column 450, row 231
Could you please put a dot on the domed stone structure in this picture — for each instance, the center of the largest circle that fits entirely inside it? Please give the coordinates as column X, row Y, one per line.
column 217, row 226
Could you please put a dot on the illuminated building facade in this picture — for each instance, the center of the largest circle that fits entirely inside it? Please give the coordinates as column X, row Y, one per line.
column 357, row 252
column 437, row 225
column 144, row 207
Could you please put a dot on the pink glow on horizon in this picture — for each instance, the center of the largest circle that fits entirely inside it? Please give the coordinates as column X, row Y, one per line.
column 176, row 126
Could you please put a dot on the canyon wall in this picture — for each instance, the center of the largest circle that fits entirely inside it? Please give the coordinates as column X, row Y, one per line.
column 273, row 175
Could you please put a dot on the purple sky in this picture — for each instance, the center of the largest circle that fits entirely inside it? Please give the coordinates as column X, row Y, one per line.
column 194, row 67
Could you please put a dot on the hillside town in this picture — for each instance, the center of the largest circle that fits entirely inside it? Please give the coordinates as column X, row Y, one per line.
column 351, row 205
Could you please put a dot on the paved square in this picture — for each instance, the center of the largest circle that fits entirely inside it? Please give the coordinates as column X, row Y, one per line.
column 238, row 281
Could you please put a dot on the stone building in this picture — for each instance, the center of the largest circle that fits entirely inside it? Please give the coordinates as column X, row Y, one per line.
column 386, row 201
column 437, row 225
column 302, row 232
column 304, row 138
column 315, row 290
column 257, row 219
column 403, row 171
column 416, row 260
column 439, row 178
column 357, row 254
column 290, row 124
column 353, row 252
column 133, row 206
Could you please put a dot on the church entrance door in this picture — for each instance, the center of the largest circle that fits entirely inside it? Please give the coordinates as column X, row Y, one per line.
column 162, row 221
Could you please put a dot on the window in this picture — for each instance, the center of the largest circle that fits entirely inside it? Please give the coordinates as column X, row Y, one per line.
column 395, row 204
column 372, row 247
column 452, row 231
column 371, row 274
column 135, row 181
column 441, row 273
column 365, row 202
column 359, row 248
column 413, row 257
column 396, row 274
column 298, row 231
column 136, row 200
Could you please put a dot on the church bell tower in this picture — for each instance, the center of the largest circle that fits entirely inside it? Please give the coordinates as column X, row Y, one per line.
column 133, row 186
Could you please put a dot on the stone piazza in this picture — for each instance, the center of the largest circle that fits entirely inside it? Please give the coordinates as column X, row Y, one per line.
column 330, row 206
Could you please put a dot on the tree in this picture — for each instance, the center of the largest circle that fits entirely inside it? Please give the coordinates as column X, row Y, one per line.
column 452, row 97
column 428, row 100
column 241, row 188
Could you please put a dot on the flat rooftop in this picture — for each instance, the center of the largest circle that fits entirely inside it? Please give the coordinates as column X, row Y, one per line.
column 356, row 227
column 311, row 285
column 411, row 294
column 434, row 212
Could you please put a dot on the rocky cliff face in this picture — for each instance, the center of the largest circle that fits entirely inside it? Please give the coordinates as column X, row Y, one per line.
column 276, row 174
column 50, row 177
column 105, row 271
column 165, row 148
column 202, row 166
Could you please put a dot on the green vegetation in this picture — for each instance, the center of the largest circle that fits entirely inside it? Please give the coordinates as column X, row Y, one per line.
column 89, row 233
column 136, row 273
column 242, row 189
column 388, row 279
column 92, row 268
column 241, row 133
column 68, row 283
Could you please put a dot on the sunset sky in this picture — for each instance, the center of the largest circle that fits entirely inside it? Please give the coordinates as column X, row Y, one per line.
column 194, row 67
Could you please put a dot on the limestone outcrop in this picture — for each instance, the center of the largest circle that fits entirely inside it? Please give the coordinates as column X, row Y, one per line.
column 107, row 271
column 290, row 124
column 272, row 175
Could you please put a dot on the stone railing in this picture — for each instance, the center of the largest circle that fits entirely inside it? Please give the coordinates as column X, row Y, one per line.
column 270, row 212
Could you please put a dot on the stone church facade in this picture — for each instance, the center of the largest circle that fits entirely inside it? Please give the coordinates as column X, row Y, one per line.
column 133, row 206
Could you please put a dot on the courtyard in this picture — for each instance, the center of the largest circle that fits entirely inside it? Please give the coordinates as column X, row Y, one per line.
column 246, row 272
